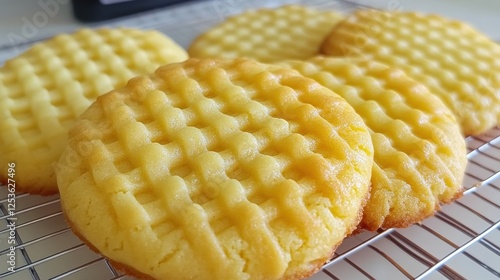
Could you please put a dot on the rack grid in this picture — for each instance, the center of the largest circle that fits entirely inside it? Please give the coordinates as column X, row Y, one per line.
column 462, row 241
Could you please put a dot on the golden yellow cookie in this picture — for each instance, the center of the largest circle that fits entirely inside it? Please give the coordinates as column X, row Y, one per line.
column 217, row 169
column 45, row 89
column 268, row 35
column 455, row 61
column 420, row 154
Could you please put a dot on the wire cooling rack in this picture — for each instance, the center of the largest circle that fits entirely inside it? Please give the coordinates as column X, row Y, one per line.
column 462, row 241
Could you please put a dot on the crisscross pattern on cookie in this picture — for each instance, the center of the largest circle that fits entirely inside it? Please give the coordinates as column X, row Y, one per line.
column 420, row 155
column 248, row 170
column 45, row 89
column 455, row 61
column 268, row 35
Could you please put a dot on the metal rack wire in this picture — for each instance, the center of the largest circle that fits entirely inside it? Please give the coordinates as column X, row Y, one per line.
column 462, row 241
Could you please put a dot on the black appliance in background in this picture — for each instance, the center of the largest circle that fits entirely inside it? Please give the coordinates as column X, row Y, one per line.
column 98, row 10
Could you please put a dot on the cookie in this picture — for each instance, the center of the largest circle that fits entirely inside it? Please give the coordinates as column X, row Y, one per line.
column 420, row 154
column 45, row 89
column 217, row 169
column 454, row 60
column 267, row 35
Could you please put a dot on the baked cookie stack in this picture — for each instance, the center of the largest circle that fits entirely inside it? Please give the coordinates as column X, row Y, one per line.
column 285, row 131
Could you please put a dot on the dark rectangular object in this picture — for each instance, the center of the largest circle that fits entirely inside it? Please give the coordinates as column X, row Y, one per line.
column 99, row 10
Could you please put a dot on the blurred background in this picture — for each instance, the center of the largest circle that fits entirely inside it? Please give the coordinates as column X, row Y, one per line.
column 28, row 20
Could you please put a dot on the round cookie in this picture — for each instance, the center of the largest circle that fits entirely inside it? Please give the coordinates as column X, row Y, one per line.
column 217, row 169
column 456, row 62
column 420, row 154
column 267, row 35
column 45, row 89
